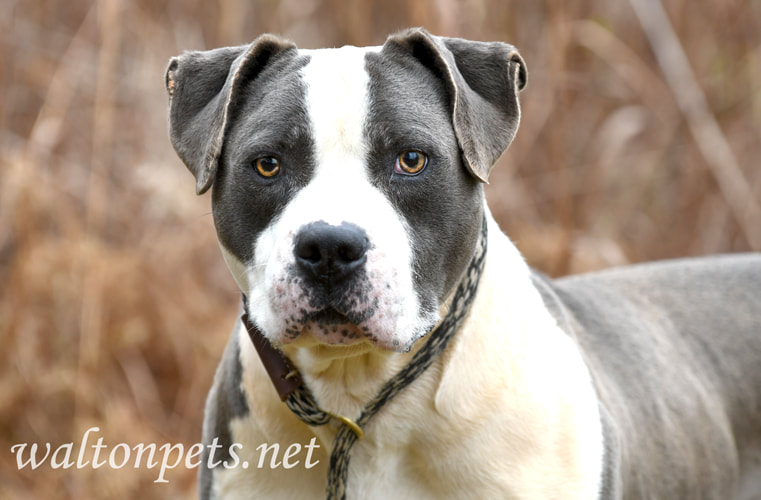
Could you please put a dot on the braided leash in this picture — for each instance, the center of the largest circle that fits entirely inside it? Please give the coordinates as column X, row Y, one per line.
column 301, row 402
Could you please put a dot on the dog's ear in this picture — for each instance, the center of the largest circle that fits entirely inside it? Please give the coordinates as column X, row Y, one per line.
column 202, row 89
column 483, row 81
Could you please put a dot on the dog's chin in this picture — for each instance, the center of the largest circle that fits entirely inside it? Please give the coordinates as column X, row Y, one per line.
column 339, row 335
column 329, row 328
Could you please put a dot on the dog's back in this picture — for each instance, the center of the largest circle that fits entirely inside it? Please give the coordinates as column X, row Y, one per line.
column 675, row 352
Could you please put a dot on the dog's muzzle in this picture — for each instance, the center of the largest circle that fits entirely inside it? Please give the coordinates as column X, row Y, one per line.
column 333, row 283
column 330, row 262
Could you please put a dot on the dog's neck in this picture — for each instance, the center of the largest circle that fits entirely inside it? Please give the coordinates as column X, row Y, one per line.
column 345, row 378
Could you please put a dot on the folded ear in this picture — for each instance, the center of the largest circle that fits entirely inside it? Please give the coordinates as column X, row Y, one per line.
column 483, row 81
column 202, row 89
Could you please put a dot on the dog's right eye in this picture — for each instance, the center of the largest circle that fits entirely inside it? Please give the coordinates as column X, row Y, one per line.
column 267, row 166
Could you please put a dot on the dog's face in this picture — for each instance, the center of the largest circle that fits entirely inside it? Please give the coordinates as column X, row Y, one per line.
column 346, row 183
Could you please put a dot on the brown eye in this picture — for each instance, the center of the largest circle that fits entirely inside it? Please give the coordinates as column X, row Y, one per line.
column 267, row 166
column 410, row 162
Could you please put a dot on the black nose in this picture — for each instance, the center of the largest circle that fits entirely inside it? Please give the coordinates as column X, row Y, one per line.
column 329, row 254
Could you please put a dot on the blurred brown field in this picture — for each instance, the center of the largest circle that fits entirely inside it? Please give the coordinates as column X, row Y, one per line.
column 115, row 303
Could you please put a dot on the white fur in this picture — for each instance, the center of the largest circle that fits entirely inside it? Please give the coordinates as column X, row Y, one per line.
column 508, row 411
column 340, row 191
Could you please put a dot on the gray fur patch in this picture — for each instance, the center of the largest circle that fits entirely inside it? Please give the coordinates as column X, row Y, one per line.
column 674, row 350
column 226, row 401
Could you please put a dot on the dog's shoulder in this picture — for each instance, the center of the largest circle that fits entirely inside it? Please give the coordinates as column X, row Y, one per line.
column 226, row 399
column 225, row 402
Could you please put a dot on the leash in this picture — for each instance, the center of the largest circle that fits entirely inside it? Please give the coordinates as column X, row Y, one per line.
column 300, row 400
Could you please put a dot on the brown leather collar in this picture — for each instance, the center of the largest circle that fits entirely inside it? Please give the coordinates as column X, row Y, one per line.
column 285, row 377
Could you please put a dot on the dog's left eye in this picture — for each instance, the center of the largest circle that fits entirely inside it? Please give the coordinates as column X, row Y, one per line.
column 410, row 162
column 267, row 166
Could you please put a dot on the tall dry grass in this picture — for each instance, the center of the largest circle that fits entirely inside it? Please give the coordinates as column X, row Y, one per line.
column 114, row 301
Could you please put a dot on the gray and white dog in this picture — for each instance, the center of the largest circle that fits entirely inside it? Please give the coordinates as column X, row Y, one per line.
column 347, row 194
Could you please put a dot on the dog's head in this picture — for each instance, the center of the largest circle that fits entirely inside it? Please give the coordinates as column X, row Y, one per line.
column 346, row 183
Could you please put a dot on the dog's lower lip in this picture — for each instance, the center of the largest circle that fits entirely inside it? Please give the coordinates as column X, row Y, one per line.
column 328, row 316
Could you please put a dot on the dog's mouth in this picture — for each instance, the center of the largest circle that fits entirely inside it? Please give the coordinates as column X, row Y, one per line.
column 332, row 327
column 328, row 316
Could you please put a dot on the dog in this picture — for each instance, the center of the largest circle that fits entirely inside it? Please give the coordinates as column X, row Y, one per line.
column 347, row 196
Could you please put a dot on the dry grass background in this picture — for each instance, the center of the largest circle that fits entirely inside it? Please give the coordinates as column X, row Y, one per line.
column 114, row 301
